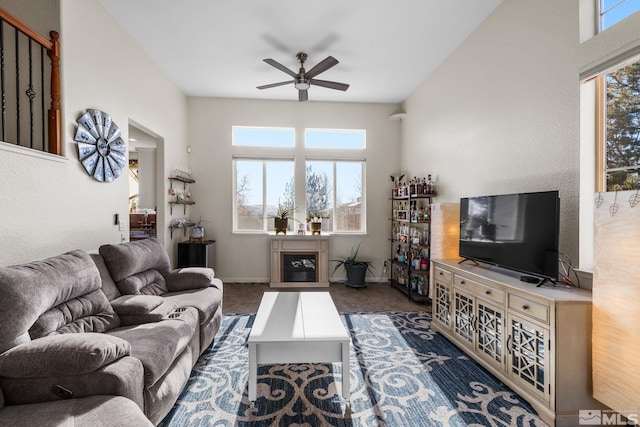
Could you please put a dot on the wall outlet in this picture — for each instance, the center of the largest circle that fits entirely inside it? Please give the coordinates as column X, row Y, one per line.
column 123, row 238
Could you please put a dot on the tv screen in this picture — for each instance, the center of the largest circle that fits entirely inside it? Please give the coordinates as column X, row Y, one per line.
column 514, row 231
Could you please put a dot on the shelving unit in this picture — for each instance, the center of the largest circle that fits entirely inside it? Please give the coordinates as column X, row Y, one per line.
column 184, row 227
column 410, row 240
column 184, row 203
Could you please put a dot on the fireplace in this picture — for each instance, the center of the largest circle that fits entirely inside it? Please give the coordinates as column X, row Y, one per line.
column 300, row 261
column 299, row 267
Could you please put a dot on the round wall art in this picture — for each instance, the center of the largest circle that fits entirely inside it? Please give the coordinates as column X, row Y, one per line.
column 101, row 149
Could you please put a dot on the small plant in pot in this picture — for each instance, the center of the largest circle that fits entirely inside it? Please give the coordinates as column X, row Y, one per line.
column 315, row 222
column 281, row 219
column 197, row 231
column 355, row 269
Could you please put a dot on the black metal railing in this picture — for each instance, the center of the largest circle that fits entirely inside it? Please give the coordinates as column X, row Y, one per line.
column 25, row 85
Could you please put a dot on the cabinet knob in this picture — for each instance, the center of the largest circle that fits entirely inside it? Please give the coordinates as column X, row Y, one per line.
column 462, row 282
column 488, row 292
column 440, row 273
column 525, row 307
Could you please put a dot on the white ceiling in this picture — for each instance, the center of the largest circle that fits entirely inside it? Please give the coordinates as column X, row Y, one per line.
column 386, row 48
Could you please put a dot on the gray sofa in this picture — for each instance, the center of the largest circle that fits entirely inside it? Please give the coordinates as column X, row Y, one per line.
column 116, row 323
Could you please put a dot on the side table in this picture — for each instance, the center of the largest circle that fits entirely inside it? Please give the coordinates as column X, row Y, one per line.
column 196, row 254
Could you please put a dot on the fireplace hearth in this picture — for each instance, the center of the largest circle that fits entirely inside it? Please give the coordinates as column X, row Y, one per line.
column 299, row 261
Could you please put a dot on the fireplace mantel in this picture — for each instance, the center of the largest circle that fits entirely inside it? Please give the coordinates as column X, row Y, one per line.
column 300, row 244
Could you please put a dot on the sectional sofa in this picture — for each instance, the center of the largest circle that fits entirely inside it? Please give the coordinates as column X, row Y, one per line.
column 91, row 331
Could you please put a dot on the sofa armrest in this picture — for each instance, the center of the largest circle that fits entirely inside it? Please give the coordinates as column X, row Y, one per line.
column 187, row 278
column 139, row 309
column 64, row 354
column 124, row 377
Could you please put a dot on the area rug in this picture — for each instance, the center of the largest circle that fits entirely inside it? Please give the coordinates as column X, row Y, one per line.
column 402, row 374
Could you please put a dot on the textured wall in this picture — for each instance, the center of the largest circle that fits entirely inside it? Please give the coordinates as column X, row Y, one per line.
column 51, row 205
column 501, row 115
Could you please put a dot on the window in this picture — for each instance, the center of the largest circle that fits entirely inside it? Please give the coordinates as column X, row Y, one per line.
column 614, row 11
column 340, row 139
column 269, row 171
column 263, row 137
column 334, row 191
column 619, row 142
column 261, row 186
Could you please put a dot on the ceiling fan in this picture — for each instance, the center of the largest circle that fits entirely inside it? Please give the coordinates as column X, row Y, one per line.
column 302, row 80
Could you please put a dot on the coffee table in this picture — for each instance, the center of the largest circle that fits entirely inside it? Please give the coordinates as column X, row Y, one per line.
column 297, row 327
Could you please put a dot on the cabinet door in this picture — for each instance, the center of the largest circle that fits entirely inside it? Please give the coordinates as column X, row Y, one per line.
column 463, row 317
column 490, row 329
column 529, row 355
column 442, row 304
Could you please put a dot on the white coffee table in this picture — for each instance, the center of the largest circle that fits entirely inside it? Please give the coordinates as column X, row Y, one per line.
column 297, row 327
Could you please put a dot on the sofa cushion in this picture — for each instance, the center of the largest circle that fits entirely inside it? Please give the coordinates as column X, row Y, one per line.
column 189, row 278
column 158, row 344
column 87, row 313
column 108, row 285
column 27, row 291
column 126, row 259
column 88, row 411
column 206, row 300
column 136, row 305
column 148, row 282
column 71, row 354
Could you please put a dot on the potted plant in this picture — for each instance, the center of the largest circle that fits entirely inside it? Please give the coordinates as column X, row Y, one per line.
column 281, row 219
column 315, row 222
column 197, row 231
column 355, row 268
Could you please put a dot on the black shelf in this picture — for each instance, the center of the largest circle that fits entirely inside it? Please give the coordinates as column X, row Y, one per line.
column 403, row 218
column 184, row 226
column 180, row 202
column 412, row 294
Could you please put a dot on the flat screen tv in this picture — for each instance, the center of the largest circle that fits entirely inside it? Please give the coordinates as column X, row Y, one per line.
column 514, row 231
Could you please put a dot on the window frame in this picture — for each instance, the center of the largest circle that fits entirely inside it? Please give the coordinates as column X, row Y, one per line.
column 334, row 192
column 600, row 127
column 300, row 155
column 600, row 15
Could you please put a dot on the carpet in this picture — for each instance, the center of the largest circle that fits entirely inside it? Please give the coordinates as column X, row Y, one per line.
column 402, row 374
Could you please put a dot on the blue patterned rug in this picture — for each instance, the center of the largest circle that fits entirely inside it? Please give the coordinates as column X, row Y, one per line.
column 402, row 374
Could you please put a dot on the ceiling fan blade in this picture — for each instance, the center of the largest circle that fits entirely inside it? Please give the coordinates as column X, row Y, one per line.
column 330, row 85
column 303, row 95
column 275, row 84
column 321, row 66
column 280, row 67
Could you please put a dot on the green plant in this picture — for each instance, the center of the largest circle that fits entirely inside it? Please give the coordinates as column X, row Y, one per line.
column 315, row 217
column 283, row 212
column 352, row 260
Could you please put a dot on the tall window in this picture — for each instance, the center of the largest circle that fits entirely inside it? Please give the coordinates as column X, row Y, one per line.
column 620, row 138
column 327, row 183
column 614, row 11
column 334, row 191
column 261, row 187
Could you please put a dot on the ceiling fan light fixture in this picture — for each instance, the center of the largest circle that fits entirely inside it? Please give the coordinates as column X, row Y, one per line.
column 302, row 84
column 302, row 80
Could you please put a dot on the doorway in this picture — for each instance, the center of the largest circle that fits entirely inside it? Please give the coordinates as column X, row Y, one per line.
column 144, row 192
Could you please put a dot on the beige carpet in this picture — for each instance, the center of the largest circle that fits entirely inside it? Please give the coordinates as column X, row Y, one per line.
column 245, row 297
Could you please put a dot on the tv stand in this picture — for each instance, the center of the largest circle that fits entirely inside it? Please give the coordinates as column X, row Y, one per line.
column 537, row 340
column 469, row 259
column 545, row 280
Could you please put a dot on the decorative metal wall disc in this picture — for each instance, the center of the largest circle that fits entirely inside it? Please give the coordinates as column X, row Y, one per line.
column 101, row 149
